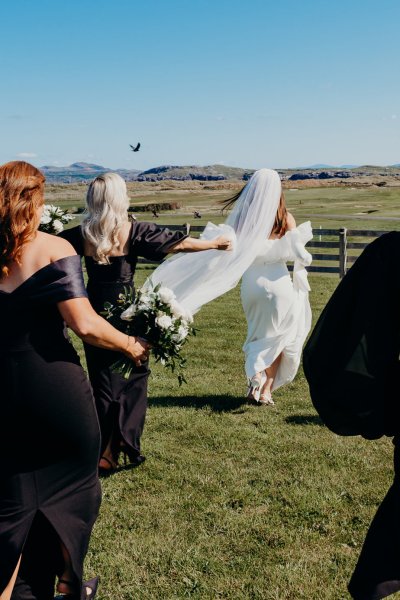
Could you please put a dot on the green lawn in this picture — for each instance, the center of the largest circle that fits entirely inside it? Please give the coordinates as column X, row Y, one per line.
column 236, row 501
column 331, row 207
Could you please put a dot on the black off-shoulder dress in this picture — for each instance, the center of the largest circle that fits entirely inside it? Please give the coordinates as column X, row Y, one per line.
column 121, row 403
column 49, row 435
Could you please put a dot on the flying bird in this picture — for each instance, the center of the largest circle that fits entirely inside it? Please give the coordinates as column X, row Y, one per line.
column 135, row 148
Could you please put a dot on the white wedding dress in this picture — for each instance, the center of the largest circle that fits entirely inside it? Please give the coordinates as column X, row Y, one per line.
column 277, row 307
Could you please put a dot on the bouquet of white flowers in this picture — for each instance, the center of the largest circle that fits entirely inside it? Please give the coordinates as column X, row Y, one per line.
column 157, row 317
column 53, row 219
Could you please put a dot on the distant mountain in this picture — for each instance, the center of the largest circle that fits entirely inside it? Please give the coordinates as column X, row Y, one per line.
column 186, row 173
column 323, row 166
column 82, row 172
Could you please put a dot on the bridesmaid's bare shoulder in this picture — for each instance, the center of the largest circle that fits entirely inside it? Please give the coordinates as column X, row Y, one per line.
column 53, row 247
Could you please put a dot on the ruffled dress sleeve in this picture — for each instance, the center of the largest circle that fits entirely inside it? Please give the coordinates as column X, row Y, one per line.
column 153, row 242
column 291, row 247
column 75, row 238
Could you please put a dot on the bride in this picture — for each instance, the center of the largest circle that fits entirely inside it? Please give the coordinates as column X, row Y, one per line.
column 277, row 308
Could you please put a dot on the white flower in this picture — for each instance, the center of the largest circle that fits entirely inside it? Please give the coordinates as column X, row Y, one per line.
column 144, row 303
column 177, row 310
column 164, row 321
column 45, row 219
column 181, row 313
column 181, row 334
column 128, row 313
column 166, row 295
column 188, row 317
column 57, row 226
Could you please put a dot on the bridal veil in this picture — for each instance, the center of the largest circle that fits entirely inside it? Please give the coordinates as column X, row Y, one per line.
column 201, row 277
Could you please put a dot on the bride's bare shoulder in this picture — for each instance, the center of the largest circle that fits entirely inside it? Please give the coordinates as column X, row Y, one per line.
column 291, row 223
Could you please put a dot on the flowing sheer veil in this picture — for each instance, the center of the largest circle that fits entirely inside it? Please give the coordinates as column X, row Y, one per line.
column 198, row 278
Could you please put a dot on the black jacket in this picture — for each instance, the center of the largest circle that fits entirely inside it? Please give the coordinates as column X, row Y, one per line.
column 351, row 360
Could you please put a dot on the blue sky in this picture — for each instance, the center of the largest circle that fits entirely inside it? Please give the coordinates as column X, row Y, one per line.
column 245, row 83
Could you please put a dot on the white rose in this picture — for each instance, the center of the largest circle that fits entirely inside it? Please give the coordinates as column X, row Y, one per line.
column 166, row 295
column 181, row 334
column 128, row 313
column 45, row 218
column 177, row 310
column 145, row 302
column 164, row 322
column 57, row 226
column 188, row 317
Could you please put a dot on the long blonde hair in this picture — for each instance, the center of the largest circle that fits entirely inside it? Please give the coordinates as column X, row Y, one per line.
column 21, row 194
column 107, row 204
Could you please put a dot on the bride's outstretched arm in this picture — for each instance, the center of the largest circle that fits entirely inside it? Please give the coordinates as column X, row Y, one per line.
column 194, row 245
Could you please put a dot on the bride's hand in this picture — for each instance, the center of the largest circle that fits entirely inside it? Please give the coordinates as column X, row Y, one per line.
column 137, row 350
column 223, row 243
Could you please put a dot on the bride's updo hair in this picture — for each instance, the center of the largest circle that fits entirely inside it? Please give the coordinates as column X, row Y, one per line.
column 21, row 194
column 107, row 204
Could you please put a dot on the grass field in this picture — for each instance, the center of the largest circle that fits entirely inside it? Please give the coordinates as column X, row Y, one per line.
column 236, row 501
column 333, row 207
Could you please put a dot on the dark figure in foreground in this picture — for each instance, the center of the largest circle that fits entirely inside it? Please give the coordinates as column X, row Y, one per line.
column 49, row 433
column 111, row 245
column 351, row 362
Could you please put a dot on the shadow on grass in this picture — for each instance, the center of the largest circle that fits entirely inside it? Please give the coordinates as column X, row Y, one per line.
column 222, row 403
column 304, row 420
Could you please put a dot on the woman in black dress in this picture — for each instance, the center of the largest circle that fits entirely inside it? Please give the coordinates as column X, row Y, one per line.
column 111, row 245
column 49, row 435
column 351, row 362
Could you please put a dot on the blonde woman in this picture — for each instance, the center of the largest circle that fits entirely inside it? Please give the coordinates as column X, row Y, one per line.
column 49, row 435
column 111, row 245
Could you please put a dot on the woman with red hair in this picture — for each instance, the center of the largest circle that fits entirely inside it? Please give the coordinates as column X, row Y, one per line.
column 49, row 434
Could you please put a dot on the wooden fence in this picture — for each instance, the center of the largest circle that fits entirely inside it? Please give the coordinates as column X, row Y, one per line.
column 339, row 248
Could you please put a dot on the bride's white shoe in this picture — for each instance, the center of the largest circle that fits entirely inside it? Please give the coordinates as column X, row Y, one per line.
column 266, row 398
column 254, row 387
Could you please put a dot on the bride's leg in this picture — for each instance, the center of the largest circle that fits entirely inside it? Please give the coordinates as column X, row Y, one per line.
column 270, row 373
column 254, row 388
column 6, row 595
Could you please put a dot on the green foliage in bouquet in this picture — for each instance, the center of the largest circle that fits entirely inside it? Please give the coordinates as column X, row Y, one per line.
column 155, row 316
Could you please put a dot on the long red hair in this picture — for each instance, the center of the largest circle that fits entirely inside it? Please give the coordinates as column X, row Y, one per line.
column 21, row 194
column 280, row 225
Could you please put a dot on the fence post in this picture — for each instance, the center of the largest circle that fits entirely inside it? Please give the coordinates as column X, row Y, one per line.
column 342, row 252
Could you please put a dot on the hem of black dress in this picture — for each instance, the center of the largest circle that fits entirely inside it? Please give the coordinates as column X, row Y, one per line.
column 380, row 590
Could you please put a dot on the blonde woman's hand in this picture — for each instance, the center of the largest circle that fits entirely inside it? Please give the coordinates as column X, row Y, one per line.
column 222, row 242
column 137, row 350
